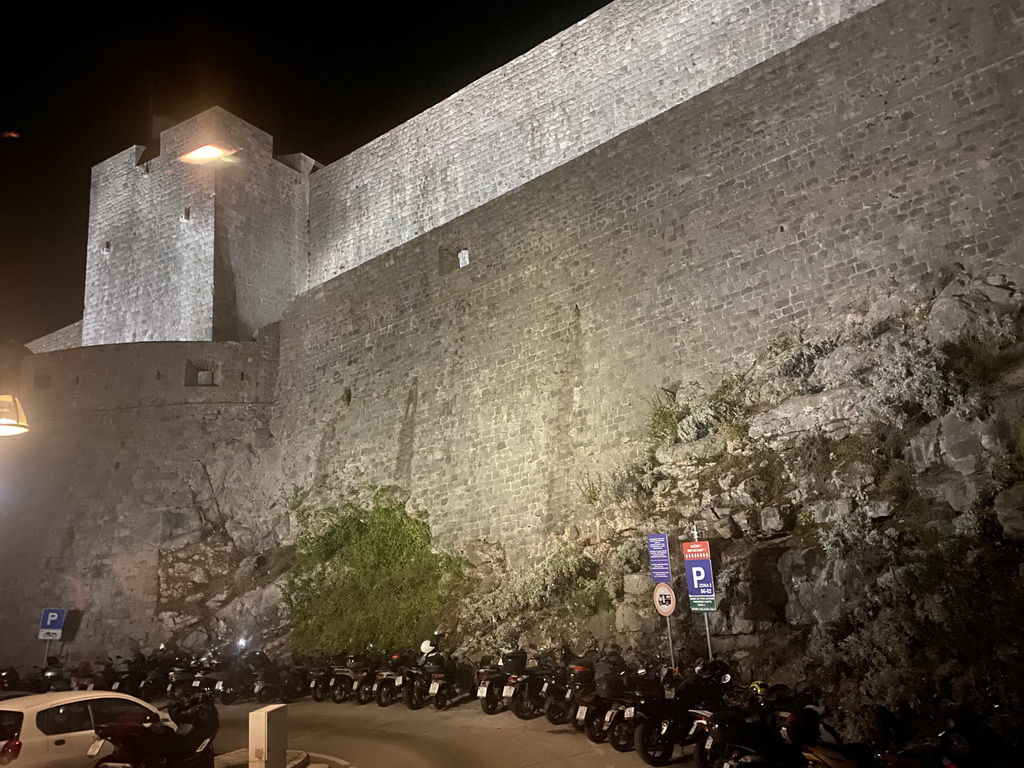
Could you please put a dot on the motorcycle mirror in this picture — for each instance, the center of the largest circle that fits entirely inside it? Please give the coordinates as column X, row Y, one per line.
column 726, row 678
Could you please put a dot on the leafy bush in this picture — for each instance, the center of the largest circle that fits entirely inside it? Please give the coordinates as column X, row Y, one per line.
column 909, row 382
column 367, row 574
column 726, row 408
column 591, row 487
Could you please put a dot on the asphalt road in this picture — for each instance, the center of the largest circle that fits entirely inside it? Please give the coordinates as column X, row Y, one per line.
column 461, row 737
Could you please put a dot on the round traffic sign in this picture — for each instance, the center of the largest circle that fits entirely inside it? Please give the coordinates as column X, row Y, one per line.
column 664, row 599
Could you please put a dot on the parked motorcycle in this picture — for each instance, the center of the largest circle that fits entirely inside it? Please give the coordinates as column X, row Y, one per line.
column 525, row 690
column 355, row 677
column 490, row 685
column 417, row 680
column 147, row 745
column 449, row 679
column 390, row 679
column 679, row 716
column 610, row 671
column 563, row 693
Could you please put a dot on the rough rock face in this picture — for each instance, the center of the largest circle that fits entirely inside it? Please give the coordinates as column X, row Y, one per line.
column 817, row 589
column 1009, row 507
column 966, row 438
column 980, row 308
column 836, row 413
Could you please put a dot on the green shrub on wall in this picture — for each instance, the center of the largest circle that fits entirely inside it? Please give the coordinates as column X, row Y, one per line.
column 365, row 573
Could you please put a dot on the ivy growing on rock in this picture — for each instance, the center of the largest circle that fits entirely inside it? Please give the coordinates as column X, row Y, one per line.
column 365, row 573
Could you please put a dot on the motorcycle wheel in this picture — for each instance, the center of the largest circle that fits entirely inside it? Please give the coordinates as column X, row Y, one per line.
column 339, row 693
column 556, row 710
column 593, row 726
column 441, row 699
column 413, row 698
column 710, row 758
column 653, row 747
column 523, row 707
column 228, row 697
column 365, row 693
column 386, row 694
column 265, row 695
column 491, row 703
column 620, row 736
column 319, row 692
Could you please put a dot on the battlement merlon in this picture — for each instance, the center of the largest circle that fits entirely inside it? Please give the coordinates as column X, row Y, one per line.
column 218, row 127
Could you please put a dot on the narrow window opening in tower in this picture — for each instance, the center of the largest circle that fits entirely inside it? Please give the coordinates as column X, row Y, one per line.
column 200, row 375
column 187, row 213
column 463, row 258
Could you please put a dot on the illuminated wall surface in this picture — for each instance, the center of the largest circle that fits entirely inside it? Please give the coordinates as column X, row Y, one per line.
column 884, row 147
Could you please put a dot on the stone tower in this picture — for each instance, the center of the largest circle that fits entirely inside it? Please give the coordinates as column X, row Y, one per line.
column 187, row 248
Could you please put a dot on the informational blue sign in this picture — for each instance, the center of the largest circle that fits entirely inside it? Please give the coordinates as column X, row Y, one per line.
column 51, row 624
column 661, row 567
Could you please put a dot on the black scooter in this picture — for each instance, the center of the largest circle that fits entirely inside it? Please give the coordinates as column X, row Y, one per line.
column 145, row 744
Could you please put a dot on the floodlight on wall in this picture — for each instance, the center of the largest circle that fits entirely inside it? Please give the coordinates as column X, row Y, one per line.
column 12, row 416
column 206, row 154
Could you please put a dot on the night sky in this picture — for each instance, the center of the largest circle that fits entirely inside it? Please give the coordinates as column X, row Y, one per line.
column 324, row 88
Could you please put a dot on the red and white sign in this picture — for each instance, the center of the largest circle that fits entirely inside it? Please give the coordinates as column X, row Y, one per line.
column 664, row 599
column 696, row 550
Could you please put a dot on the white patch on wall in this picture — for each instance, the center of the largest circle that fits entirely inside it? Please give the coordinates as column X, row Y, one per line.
column 463, row 258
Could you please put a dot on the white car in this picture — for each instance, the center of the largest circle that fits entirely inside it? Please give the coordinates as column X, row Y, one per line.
column 55, row 730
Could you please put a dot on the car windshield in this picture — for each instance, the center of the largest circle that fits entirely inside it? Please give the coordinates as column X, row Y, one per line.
column 10, row 724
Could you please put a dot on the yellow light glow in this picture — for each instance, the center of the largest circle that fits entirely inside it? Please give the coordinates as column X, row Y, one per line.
column 206, row 154
column 12, row 416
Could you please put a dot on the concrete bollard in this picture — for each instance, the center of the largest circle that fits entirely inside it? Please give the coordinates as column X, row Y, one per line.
column 268, row 737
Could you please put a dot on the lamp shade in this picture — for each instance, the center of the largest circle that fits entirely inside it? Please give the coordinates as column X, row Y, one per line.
column 12, row 416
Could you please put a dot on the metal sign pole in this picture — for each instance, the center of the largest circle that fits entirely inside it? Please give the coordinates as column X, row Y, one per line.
column 707, row 631
column 46, row 654
column 671, row 645
column 707, row 626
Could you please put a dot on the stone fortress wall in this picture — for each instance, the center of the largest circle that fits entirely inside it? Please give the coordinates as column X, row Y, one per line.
column 135, row 453
column 878, row 151
column 881, row 149
column 616, row 69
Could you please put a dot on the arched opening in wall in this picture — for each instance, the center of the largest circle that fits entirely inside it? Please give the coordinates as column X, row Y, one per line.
column 201, row 374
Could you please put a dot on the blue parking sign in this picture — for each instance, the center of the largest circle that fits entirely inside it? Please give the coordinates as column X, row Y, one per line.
column 51, row 624
column 53, row 618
